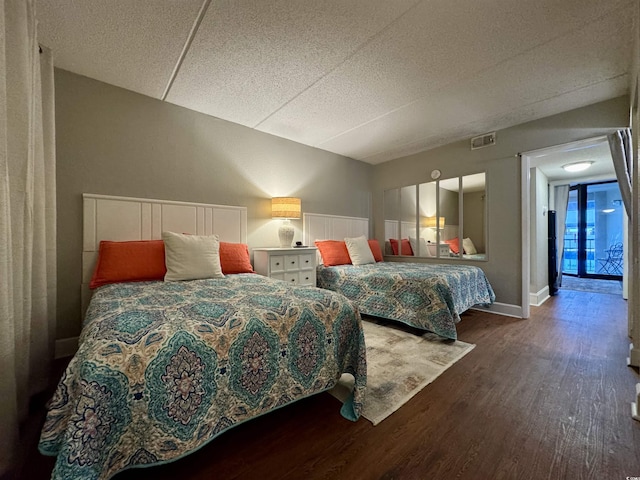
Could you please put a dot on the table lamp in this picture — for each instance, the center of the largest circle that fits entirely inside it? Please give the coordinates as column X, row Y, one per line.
column 285, row 208
column 432, row 222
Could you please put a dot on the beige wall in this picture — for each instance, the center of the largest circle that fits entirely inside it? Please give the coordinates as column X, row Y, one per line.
column 115, row 142
column 473, row 213
column 539, row 223
column 500, row 162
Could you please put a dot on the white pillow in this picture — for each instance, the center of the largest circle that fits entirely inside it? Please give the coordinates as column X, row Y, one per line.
column 190, row 257
column 424, row 251
column 468, row 246
column 359, row 250
column 414, row 245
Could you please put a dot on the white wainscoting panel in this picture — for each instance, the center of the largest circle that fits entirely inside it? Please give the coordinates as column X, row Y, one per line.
column 179, row 219
column 332, row 227
column 391, row 229
column 408, row 229
column 229, row 224
column 450, row 232
column 117, row 220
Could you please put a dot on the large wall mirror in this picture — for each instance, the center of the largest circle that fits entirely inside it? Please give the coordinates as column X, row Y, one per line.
column 442, row 219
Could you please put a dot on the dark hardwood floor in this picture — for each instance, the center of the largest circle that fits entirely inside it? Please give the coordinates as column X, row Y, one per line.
column 543, row 398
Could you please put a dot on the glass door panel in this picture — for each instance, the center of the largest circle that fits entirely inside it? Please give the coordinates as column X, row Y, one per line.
column 593, row 231
column 570, row 258
column 604, row 229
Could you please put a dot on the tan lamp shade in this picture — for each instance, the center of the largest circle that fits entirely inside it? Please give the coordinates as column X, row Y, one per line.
column 431, row 222
column 285, row 207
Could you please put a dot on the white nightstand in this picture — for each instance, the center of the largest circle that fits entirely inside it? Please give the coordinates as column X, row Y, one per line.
column 293, row 265
column 442, row 249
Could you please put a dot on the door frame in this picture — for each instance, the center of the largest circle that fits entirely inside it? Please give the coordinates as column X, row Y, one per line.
column 525, row 202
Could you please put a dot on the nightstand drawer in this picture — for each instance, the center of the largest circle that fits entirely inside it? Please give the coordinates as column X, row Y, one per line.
column 307, row 262
column 292, row 277
column 308, row 277
column 291, row 262
column 276, row 263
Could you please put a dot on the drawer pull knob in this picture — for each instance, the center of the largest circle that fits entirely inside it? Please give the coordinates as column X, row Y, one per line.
column 293, row 279
column 277, row 263
column 293, row 262
column 306, row 278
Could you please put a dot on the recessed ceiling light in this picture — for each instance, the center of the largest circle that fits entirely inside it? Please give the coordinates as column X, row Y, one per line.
column 577, row 167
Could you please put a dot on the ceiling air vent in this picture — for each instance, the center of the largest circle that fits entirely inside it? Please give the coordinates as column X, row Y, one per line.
column 485, row 140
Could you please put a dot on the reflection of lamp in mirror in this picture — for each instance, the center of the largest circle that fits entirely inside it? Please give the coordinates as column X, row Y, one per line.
column 432, row 222
column 285, row 208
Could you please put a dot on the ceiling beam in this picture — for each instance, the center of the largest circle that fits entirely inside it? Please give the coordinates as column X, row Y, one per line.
column 187, row 45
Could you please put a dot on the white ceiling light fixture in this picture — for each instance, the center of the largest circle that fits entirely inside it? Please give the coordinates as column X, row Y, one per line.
column 577, row 166
column 608, row 210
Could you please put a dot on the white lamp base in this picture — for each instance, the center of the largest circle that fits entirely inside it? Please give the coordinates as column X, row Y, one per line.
column 285, row 232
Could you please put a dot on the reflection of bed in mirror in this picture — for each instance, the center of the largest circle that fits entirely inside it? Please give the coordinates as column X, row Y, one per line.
column 449, row 246
column 422, row 220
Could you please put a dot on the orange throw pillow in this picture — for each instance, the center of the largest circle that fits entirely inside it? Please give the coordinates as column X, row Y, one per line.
column 406, row 246
column 333, row 252
column 374, row 245
column 234, row 258
column 135, row 261
column 454, row 245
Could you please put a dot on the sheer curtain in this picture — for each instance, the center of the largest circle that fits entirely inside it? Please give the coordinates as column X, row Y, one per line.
column 561, row 194
column 620, row 146
column 27, row 220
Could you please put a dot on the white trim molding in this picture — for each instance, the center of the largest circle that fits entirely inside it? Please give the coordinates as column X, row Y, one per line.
column 505, row 309
column 537, row 299
column 633, row 360
column 634, row 405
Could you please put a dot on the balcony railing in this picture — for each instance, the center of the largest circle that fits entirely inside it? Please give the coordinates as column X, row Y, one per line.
column 570, row 259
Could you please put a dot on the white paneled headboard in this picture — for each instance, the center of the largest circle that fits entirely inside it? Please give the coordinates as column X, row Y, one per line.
column 332, row 227
column 125, row 218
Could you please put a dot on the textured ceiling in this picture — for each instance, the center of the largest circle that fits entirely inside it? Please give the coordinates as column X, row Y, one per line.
column 595, row 150
column 370, row 79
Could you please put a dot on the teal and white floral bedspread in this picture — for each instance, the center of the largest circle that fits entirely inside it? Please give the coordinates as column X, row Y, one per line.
column 165, row 367
column 423, row 295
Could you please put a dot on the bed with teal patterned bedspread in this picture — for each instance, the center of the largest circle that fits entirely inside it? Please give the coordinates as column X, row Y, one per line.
column 165, row 367
column 424, row 295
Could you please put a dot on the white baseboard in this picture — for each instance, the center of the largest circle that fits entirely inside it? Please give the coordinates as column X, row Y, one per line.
column 505, row 309
column 537, row 299
column 633, row 360
column 66, row 347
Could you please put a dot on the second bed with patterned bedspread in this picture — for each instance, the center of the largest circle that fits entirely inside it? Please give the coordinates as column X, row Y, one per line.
column 423, row 295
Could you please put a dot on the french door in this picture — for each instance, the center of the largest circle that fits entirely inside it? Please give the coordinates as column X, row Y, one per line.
column 593, row 232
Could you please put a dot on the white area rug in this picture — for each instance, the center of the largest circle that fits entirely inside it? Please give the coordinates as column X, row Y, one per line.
column 399, row 365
